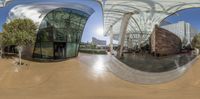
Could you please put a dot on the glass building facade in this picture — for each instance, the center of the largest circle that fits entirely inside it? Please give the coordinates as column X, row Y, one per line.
column 59, row 34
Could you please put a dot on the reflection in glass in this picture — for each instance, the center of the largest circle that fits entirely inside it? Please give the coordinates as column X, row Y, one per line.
column 59, row 34
column 47, row 50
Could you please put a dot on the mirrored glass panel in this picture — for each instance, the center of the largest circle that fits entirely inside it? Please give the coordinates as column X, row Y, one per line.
column 59, row 34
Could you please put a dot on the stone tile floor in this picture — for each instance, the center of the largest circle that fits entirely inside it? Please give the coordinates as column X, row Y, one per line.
column 155, row 64
column 88, row 77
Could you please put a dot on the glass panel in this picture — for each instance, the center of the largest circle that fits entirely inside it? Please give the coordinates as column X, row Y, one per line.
column 77, row 49
column 59, row 50
column 75, row 17
column 82, row 24
column 37, row 51
column 71, row 50
column 43, row 24
column 47, row 50
column 80, row 13
column 73, row 25
column 69, row 35
column 60, row 33
column 74, row 40
column 50, row 16
column 79, row 34
column 66, row 16
column 45, row 34
column 58, row 15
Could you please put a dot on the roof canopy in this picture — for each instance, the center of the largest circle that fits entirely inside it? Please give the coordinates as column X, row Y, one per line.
column 146, row 14
column 37, row 11
column 4, row 2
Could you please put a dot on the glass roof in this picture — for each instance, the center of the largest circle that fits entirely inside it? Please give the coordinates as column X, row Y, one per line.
column 4, row 2
column 146, row 14
column 37, row 11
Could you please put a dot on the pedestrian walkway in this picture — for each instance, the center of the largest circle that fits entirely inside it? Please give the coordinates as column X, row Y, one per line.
column 88, row 77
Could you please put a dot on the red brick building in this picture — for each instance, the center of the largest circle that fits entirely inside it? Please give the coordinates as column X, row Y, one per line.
column 163, row 42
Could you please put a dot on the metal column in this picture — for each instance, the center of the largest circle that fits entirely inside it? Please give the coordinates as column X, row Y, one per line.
column 111, row 40
column 123, row 29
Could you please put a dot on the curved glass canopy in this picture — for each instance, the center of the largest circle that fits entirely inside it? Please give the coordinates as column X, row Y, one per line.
column 145, row 15
column 4, row 2
column 59, row 34
column 60, row 27
column 37, row 11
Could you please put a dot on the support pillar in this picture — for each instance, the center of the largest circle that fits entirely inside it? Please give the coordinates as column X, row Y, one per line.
column 111, row 40
column 140, row 41
column 123, row 29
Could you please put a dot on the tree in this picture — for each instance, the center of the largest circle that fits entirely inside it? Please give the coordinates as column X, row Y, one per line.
column 20, row 32
column 196, row 41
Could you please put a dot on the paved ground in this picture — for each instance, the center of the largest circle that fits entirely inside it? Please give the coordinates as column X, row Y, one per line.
column 87, row 77
column 156, row 64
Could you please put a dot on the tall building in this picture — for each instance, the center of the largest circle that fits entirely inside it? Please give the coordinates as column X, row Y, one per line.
column 98, row 42
column 183, row 30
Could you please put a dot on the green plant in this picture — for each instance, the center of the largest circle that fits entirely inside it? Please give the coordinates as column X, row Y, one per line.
column 196, row 41
column 20, row 32
column 92, row 46
column 93, row 51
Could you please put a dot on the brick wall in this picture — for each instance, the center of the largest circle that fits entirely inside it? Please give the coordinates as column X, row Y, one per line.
column 163, row 42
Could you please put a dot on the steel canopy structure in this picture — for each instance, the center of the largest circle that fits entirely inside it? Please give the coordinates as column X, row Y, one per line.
column 145, row 14
column 37, row 11
column 4, row 2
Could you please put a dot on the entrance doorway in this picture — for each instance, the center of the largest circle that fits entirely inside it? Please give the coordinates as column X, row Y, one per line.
column 59, row 50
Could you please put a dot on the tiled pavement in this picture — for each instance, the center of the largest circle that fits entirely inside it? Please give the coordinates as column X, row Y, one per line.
column 89, row 77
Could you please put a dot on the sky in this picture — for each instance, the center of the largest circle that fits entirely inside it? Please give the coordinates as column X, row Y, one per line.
column 191, row 15
column 93, row 28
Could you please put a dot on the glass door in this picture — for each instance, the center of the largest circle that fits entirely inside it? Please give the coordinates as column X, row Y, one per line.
column 59, row 50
